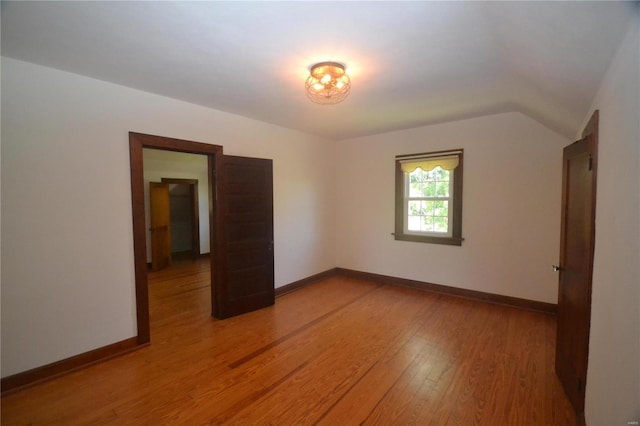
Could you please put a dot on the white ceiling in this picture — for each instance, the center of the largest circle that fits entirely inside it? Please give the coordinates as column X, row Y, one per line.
column 411, row 63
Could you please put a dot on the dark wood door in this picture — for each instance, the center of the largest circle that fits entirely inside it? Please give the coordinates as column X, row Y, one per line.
column 160, row 219
column 247, row 228
column 576, row 264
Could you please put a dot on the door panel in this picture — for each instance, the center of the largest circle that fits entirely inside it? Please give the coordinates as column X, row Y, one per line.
column 247, row 227
column 160, row 225
column 576, row 265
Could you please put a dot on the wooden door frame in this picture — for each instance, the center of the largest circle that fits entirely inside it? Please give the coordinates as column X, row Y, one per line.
column 195, row 214
column 138, row 141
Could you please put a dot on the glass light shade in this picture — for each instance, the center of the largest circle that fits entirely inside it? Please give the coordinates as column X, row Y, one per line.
column 328, row 83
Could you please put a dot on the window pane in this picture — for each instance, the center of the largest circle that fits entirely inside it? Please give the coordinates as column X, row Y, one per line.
column 442, row 189
column 414, row 223
column 428, row 207
column 427, row 223
column 440, row 174
column 441, row 208
column 415, row 176
column 440, row 224
column 415, row 189
column 429, row 189
column 414, row 208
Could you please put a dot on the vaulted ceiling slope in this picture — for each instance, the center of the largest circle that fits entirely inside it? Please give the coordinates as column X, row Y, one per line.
column 411, row 63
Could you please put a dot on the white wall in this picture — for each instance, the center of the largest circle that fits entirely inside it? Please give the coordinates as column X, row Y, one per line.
column 613, row 377
column 67, row 244
column 511, row 207
column 178, row 165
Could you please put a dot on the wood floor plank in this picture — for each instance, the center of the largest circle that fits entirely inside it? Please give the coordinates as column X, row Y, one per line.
column 357, row 346
column 310, row 346
column 361, row 398
column 481, row 375
column 440, row 399
column 339, row 352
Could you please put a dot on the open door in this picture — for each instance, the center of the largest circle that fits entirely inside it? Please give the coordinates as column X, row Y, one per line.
column 160, row 225
column 246, row 225
column 577, row 241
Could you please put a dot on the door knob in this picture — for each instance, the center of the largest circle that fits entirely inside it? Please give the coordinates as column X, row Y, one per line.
column 556, row 268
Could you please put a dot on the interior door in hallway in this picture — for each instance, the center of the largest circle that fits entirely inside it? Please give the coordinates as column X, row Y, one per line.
column 247, row 227
column 160, row 219
column 577, row 240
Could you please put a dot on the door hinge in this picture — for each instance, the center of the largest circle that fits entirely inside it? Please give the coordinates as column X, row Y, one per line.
column 590, row 162
column 580, row 385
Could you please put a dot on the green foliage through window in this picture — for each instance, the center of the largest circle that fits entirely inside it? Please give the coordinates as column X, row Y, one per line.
column 428, row 200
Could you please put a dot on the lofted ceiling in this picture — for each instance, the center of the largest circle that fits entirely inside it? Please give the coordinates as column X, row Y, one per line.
column 411, row 63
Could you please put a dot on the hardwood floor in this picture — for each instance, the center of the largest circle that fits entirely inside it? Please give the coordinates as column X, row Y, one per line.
column 339, row 352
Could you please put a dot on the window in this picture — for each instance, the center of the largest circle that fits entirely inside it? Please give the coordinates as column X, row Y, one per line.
column 429, row 197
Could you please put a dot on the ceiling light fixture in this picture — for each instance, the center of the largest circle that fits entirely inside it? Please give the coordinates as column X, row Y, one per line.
column 328, row 83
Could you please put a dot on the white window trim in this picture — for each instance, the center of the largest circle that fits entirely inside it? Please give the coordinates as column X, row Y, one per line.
column 407, row 198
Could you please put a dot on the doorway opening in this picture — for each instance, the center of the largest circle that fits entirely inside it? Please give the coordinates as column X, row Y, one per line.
column 175, row 211
column 179, row 283
column 213, row 154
